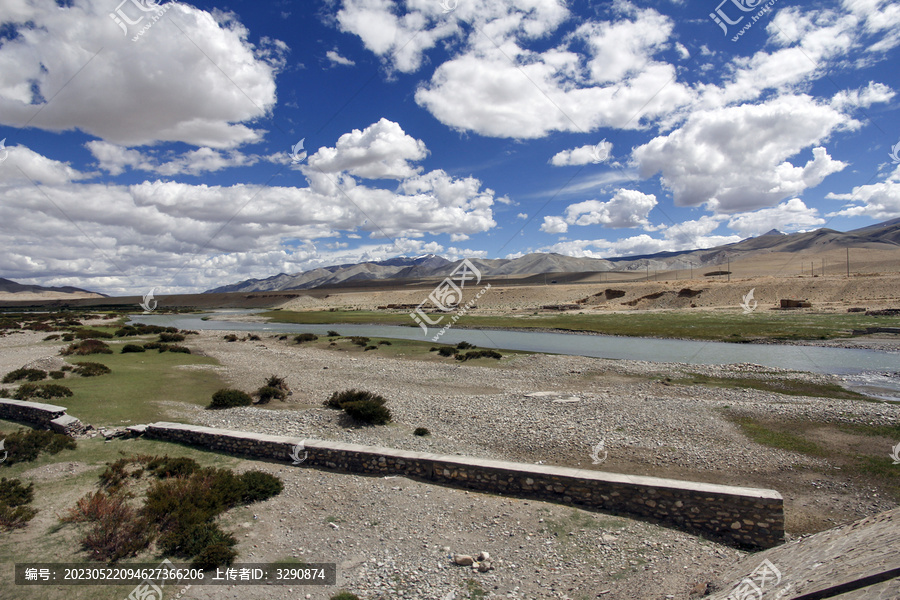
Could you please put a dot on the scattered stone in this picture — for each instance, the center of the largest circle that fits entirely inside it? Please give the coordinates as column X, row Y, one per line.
column 463, row 560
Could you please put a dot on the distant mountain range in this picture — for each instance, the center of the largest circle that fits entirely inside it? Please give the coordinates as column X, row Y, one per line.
column 11, row 287
column 885, row 236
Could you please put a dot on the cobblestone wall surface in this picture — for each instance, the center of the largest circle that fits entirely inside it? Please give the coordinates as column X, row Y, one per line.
column 742, row 516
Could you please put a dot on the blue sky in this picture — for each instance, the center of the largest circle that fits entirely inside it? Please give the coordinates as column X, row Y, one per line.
column 150, row 145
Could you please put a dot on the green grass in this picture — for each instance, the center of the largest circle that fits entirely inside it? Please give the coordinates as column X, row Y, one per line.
column 702, row 325
column 790, row 387
column 132, row 392
column 866, row 455
column 406, row 349
column 777, row 438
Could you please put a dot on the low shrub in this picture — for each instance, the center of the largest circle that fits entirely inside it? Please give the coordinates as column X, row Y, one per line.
column 127, row 348
column 115, row 530
column 52, row 337
column 178, row 466
column 68, row 337
column 447, row 351
column 87, row 334
column 14, row 500
column 338, row 399
column 359, row 340
column 259, row 486
column 179, row 349
column 85, row 347
column 167, row 337
column 367, row 348
column 254, row 338
column 230, row 338
column 25, row 445
column 153, row 346
column 473, row 354
column 332, row 333
column 465, row 346
column 57, row 374
column 384, row 343
column 306, row 337
column 91, row 369
column 368, row 411
column 47, row 391
column 421, row 431
column 228, row 398
column 27, row 374
column 268, row 393
column 215, row 555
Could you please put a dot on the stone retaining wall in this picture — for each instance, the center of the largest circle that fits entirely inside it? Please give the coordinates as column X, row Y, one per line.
column 46, row 416
column 743, row 516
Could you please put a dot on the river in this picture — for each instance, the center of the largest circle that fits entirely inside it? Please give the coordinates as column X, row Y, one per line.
column 871, row 372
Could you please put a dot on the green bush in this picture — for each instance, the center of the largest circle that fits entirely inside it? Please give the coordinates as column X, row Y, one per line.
column 171, row 337
column 371, row 348
column 227, row 398
column 57, row 374
column 338, row 399
column 85, row 347
column 46, row 391
column 267, row 393
column 447, row 351
column 91, row 369
column 115, row 530
column 27, row 374
column 473, row 354
column 259, row 486
column 369, row 412
column 359, row 340
column 215, row 555
column 306, row 337
column 68, row 337
column 153, row 346
column 179, row 466
column 52, row 337
column 384, row 343
column 25, row 445
column 465, row 346
column 86, row 334
column 132, row 348
column 332, row 333
column 230, row 338
column 181, row 349
column 13, row 493
column 421, row 431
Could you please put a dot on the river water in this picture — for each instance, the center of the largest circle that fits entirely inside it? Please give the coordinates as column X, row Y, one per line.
column 871, row 372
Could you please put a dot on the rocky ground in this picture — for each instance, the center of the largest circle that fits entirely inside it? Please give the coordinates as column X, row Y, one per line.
column 391, row 536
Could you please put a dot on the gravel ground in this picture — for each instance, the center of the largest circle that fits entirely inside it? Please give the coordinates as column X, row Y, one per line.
column 391, row 536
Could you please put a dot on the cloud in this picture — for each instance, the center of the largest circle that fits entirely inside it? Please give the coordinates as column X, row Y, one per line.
column 788, row 216
column 381, row 151
column 735, row 159
column 115, row 159
column 189, row 237
column 337, row 59
column 628, row 208
column 554, row 225
column 199, row 84
column 879, row 201
column 598, row 153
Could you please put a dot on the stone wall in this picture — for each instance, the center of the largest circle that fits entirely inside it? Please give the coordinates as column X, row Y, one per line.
column 45, row 416
column 742, row 516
